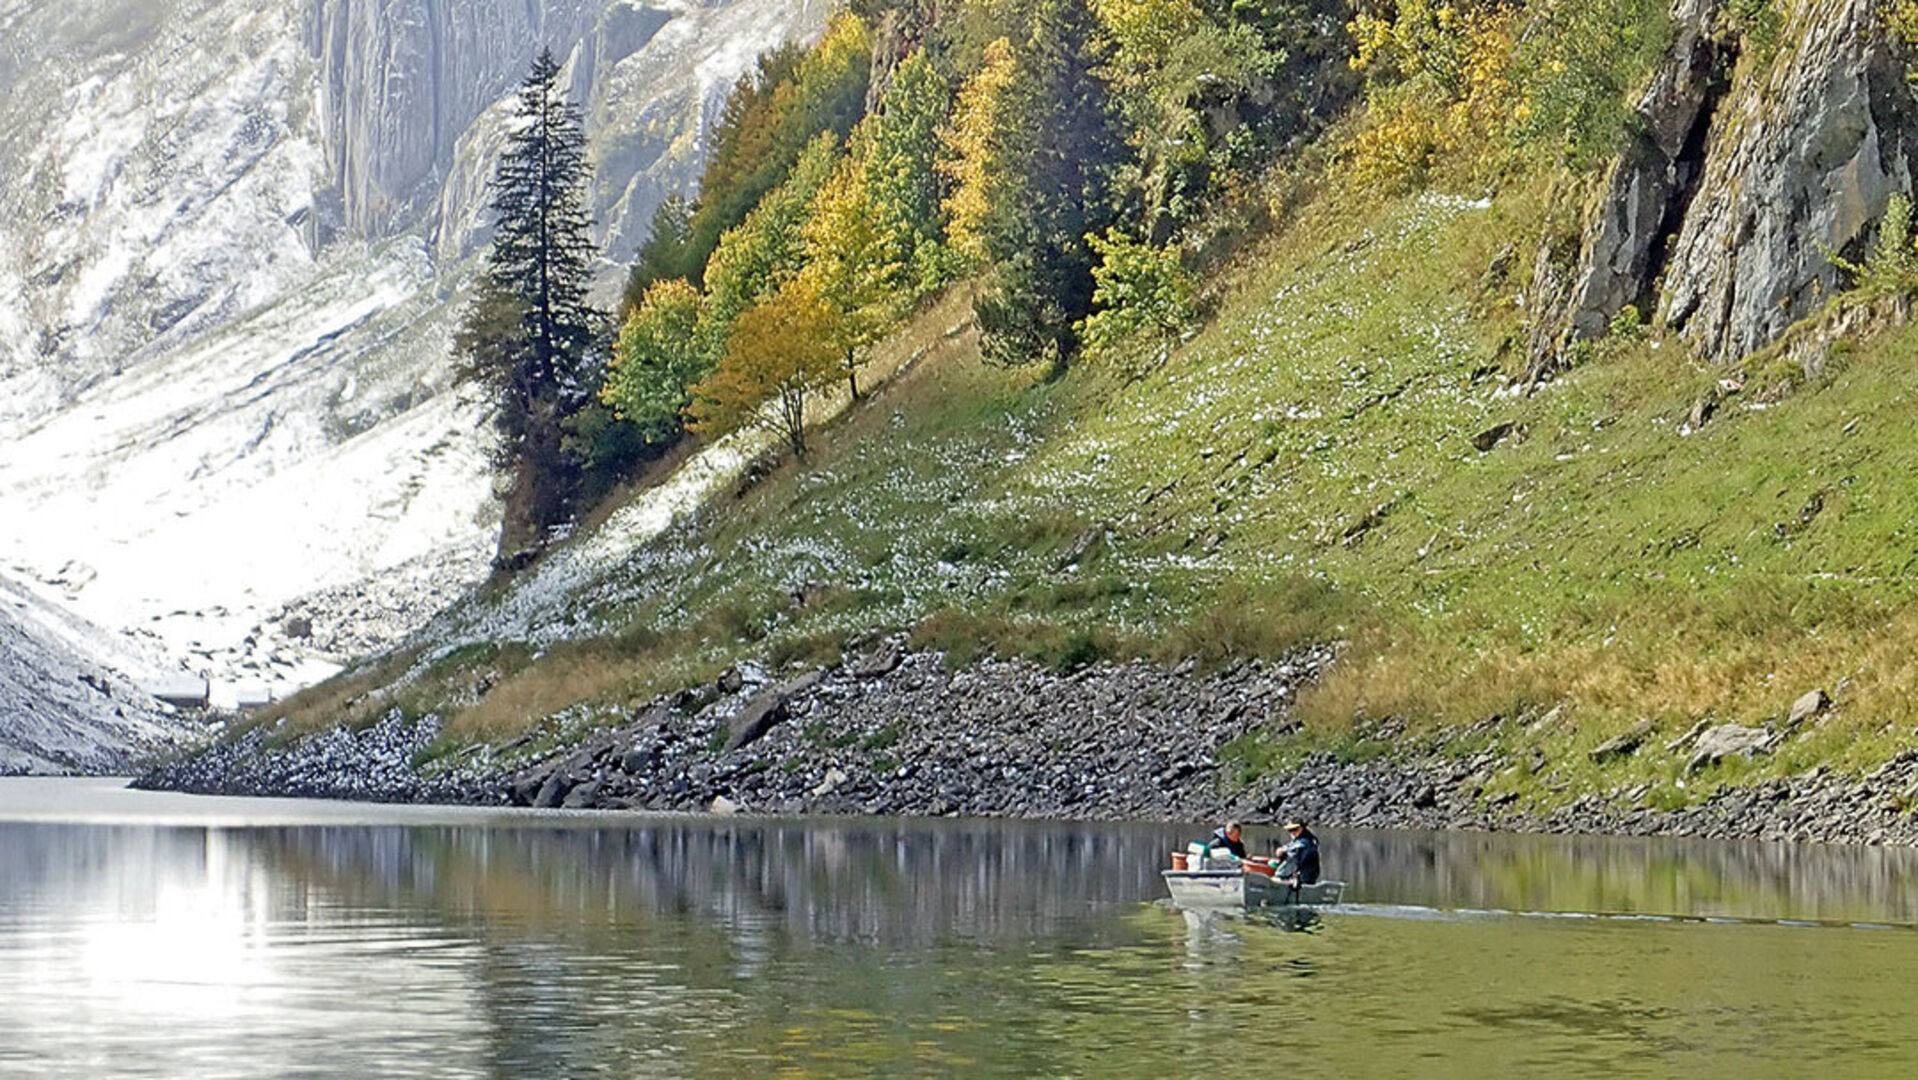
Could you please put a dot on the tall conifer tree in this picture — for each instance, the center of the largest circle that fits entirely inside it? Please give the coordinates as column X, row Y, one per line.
column 530, row 333
column 1052, row 143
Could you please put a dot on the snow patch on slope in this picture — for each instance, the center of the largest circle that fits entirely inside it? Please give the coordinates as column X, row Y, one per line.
column 195, row 496
column 68, row 695
column 546, row 605
column 229, row 431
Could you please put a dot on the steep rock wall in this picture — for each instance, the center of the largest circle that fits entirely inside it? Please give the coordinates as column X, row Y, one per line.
column 414, row 96
column 1748, row 175
column 400, row 80
column 1804, row 158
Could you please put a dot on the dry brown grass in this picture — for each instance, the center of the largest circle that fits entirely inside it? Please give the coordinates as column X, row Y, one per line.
column 604, row 674
column 1870, row 667
column 354, row 698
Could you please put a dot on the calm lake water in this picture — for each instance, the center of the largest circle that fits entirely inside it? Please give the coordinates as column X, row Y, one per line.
column 161, row 936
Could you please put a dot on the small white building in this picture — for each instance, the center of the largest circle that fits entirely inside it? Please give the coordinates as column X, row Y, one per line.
column 183, row 691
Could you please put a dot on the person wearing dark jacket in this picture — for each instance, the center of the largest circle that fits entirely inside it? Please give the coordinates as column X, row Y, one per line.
column 1227, row 836
column 1297, row 856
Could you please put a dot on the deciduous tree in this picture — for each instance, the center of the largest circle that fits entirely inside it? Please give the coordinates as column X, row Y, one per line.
column 660, row 354
column 780, row 354
column 855, row 266
column 773, row 118
column 769, row 248
column 1142, row 296
column 978, row 162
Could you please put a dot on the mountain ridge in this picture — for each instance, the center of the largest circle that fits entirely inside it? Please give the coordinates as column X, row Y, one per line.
column 226, row 390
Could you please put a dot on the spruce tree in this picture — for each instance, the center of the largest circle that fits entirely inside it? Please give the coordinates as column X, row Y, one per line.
column 530, row 334
column 666, row 254
column 1054, row 145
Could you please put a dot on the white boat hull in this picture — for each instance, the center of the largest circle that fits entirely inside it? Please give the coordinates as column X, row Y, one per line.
column 1239, row 889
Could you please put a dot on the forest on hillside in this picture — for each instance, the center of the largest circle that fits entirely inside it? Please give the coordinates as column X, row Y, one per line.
column 1545, row 361
column 1081, row 164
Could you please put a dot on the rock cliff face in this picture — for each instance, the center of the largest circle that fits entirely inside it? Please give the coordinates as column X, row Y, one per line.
column 411, row 94
column 400, row 80
column 234, row 236
column 1647, row 193
column 1805, row 155
column 1751, row 173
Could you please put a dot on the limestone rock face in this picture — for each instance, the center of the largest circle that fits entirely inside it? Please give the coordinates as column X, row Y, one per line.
column 1650, row 186
column 1746, row 178
column 414, row 95
column 1804, row 157
column 400, row 80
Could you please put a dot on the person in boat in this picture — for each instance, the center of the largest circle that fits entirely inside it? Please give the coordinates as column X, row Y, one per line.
column 1230, row 837
column 1297, row 856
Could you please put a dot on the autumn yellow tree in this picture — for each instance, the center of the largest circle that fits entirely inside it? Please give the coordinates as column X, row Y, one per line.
column 973, row 142
column 854, row 265
column 781, row 352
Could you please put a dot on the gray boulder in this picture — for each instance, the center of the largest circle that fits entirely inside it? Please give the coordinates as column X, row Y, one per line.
column 553, row 792
column 1728, row 740
column 882, row 659
column 1624, row 744
column 1811, row 704
column 766, row 711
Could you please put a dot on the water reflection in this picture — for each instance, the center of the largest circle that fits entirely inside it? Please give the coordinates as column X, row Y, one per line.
column 891, row 884
column 556, row 946
column 1693, row 878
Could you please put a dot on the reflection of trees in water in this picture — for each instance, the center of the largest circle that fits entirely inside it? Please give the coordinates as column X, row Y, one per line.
column 885, row 882
column 875, row 882
column 708, row 940
column 723, row 948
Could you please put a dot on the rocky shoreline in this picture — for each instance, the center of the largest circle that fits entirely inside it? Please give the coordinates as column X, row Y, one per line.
column 896, row 733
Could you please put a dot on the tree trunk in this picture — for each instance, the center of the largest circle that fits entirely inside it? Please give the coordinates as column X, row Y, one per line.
column 793, row 405
column 542, row 491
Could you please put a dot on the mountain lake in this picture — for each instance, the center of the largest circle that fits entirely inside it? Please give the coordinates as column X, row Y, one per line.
column 152, row 935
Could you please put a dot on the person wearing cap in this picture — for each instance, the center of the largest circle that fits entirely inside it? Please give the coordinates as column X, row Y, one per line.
column 1229, row 836
column 1297, row 855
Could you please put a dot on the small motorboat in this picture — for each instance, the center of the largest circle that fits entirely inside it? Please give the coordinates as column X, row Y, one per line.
column 1198, row 880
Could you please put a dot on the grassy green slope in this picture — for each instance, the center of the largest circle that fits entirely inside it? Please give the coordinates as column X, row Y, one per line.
column 1304, row 469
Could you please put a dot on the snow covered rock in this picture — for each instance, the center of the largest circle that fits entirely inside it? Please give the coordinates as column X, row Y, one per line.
column 64, row 706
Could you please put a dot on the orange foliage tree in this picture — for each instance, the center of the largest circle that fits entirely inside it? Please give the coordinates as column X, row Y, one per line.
column 780, row 353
